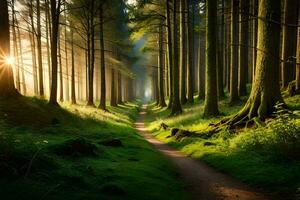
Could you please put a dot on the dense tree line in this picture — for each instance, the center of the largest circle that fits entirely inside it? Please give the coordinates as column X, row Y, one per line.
column 210, row 49
column 67, row 50
column 218, row 48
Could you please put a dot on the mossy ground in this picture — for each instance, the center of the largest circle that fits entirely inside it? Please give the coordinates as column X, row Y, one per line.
column 259, row 157
column 31, row 131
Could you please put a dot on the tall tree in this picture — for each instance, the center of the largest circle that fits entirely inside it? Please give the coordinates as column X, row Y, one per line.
column 120, row 93
column 220, row 53
column 234, row 50
column 55, row 14
column 176, row 105
column 243, row 50
column 201, row 68
column 39, row 49
column 102, row 62
column 161, row 88
column 254, row 28
column 7, row 87
column 298, row 57
column 170, row 50
column 113, row 99
column 191, row 50
column 211, row 97
column 183, row 53
column 73, row 93
column 266, row 88
column 289, row 42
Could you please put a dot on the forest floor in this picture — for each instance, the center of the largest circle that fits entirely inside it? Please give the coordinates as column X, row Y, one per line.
column 79, row 152
column 202, row 181
column 265, row 158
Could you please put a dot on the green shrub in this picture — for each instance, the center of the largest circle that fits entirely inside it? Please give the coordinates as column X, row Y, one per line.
column 280, row 137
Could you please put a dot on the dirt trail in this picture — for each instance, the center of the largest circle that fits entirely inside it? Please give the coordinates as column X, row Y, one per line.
column 203, row 182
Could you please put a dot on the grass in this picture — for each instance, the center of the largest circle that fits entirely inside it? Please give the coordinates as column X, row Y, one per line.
column 58, row 153
column 266, row 157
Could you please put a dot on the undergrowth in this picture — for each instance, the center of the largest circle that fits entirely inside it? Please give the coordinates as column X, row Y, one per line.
column 267, row 156
column 78, row 152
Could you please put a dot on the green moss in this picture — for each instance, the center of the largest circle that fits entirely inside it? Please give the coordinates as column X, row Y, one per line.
column 34, row 170
column 265, row 157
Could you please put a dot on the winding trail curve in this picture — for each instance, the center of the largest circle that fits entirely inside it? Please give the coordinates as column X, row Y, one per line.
column 202, row 181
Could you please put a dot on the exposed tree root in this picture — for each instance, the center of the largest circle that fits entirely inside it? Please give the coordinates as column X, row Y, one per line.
column 253, row 114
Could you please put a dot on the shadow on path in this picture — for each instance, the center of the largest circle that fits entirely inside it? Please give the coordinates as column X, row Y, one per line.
column 202, row 181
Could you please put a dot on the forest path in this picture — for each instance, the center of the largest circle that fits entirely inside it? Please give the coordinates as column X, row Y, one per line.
column 202, row 181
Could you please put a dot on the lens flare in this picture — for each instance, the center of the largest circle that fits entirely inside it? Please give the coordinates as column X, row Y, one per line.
column 10, row 60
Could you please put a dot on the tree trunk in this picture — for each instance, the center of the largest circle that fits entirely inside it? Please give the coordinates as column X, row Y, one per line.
column 234, row 51
column 91, row 55
column 66, row 57
column 220, row 56
column 255, row 21
column 201, row 69
column 211, row 97
column 55, row 12
column 266, row 88
column 113, row 100
column 228, row 46
column 61, row 96
column 183, row 54
column 176, row 106
column 243, row 51
column 170, row 51
column 298, row 56
column 191, row 51
column 22, row 60
column 15, row 48
column 7, row 87
column 47, row 17
column 162, row 102
column 73, row 95
column 102, row 60
column 120, row 96
column 289, row 43
column 39, row 49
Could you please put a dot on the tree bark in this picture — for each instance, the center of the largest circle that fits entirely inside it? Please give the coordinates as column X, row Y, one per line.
column 266, row 88
column 183, row 54
column 201, row 69
column 61, row 96
column 73, row 94
column 298, row 57
column 55, row 12
column 220, row 56
column 176, row 105
column 113, row 100
column 255, row 24
column 162, row 102
column 234, row 51
column 170, row 51
column 47, row 17
column 91, row 54
column 120, row 93
column 67, row 94
column 191, row 51
column 211, row 97
column 243, row 50
column 102, row 105
column 289, row 43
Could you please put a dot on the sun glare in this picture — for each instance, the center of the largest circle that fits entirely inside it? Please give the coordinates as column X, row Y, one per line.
column 10, row 60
